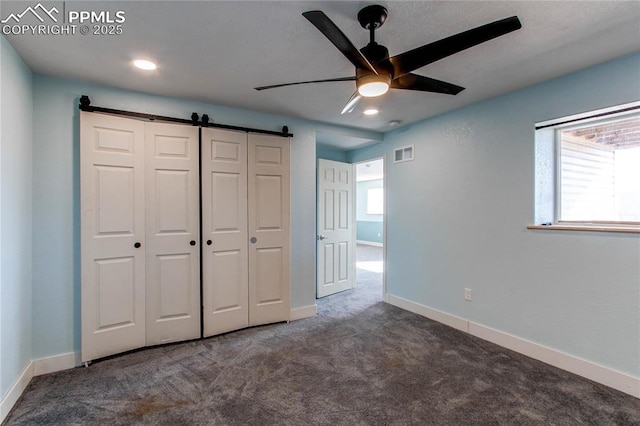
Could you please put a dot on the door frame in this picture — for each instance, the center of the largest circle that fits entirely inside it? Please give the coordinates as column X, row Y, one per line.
column 383, row 157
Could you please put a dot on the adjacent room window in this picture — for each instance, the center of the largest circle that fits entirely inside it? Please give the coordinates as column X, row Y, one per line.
column 598, row 170
column 375, row 201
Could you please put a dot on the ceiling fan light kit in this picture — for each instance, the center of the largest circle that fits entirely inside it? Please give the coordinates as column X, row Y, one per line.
column 372, row 85
column 373, row 89
column 376, row 72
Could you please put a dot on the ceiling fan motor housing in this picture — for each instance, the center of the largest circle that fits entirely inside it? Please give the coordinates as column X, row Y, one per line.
column 378, row 55
column 372, row 16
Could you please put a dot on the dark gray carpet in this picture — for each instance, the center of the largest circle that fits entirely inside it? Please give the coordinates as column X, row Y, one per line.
column 359, row 362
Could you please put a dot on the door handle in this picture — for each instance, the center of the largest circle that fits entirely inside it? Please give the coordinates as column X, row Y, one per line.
column 192, row 242
column 209, row 242
column 137, row 245
column 253, row 240
column 321, row 237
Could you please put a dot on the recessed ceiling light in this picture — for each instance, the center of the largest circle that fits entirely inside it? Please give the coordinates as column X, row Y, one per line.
column 143, row 64
column 370, row 111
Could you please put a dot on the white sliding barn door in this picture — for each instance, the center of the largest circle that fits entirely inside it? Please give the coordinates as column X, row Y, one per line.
column 336, row 227
column 172, row 233
column 269, row 203
column 141, row 203
column 224, row 231
column 112, row 214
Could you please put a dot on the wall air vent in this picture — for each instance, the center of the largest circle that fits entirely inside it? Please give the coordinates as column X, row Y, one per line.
column 403, row 154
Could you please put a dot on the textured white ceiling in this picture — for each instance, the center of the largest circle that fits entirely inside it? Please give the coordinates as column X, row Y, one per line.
column 218, row 51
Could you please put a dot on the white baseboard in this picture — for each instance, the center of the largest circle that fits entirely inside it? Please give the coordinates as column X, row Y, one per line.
column 9, row 400
column 590, row 370
column 571, row 363
column 303, row 312
column 36, row 367
column 56, row 363
column 369, row 243
column 434, row 314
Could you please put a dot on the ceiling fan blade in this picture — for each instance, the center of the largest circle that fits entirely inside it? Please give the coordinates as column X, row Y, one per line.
column 339, row 40
column 273, row 86
column 411, row 60
column 425, row 84
column 351, row 104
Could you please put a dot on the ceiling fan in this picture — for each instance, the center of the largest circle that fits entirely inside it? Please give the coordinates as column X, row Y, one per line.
column 376, row 72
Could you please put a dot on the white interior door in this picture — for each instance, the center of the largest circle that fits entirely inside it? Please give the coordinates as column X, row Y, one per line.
column 269, row 204
column 224, row 231
column 172, row 233
column 112, row 215
column 336, row 228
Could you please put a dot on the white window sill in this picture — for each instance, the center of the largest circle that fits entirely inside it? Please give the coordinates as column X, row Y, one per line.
column 591, row 228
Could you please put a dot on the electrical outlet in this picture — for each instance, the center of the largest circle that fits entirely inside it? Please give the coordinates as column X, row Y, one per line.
column 467, row 294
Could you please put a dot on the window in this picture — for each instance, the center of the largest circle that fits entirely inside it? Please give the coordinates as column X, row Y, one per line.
column 598, row 170
column 375, row 201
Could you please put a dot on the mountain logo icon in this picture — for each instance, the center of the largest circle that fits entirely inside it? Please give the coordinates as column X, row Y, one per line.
column 38, row 11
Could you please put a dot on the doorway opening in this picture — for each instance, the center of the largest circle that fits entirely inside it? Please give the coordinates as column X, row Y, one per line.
column 370, row 226
column 350, row 233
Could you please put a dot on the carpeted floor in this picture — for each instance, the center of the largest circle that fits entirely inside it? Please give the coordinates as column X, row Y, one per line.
column 359, row 362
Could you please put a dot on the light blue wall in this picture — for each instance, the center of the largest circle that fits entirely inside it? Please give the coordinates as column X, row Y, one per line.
column 372, row 232
column 56, row 300
column 463, row 224
column 331, row 153
column 369, row 227
column 15, row 217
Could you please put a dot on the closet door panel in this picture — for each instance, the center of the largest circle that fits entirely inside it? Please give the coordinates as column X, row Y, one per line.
column 112, row 215
column 115, row 285
column 269, row 204
column 269, row 280
column 115, row 186
column 172, row 219
column 224, row 231
column 227, row 282
column 174, row 287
